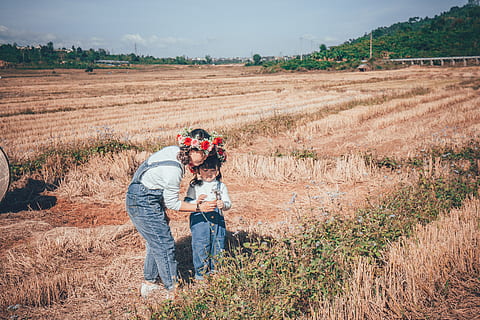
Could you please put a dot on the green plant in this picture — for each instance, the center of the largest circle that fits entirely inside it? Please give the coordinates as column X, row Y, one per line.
column 282, row 278
column 305, row 153
column 60, row 161
column 388, row 163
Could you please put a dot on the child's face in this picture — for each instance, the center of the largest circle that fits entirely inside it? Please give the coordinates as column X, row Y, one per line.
column 208, row 174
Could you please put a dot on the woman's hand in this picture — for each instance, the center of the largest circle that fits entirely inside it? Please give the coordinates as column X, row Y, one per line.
column 220, row 204
column 207, row 206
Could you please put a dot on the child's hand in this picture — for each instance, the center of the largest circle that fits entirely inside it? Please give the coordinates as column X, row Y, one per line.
column 208, row 206
column 201, row 198
column 220, row 204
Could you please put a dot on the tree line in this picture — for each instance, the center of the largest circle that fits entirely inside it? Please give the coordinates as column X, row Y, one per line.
column 75, row 57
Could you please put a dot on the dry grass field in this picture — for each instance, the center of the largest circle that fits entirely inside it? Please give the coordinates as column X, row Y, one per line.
column 296, row 146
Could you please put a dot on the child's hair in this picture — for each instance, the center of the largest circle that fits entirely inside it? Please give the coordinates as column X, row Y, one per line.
column 212, row 162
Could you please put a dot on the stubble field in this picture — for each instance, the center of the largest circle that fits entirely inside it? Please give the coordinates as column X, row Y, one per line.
column 296, row 143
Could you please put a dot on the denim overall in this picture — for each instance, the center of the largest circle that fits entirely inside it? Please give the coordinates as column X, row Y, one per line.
column 208, row 241
column 146, row 209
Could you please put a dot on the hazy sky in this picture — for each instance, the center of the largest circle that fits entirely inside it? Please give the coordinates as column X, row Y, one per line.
column 219, row 28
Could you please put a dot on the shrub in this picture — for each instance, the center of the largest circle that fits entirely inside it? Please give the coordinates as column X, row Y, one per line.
column 283, row 278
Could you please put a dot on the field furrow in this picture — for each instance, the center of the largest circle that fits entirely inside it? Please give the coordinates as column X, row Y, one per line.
column 348, row 151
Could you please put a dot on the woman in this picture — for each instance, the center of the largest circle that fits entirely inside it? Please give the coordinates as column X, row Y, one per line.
column 154, row 187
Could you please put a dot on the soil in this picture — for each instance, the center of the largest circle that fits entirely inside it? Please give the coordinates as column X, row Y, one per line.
column 461, row 303
column 32, row 207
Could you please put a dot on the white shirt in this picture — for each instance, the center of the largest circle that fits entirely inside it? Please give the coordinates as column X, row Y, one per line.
column 167, row 178
column 208, row 189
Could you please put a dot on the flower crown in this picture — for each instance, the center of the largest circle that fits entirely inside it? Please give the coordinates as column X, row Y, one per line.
column 215, row 142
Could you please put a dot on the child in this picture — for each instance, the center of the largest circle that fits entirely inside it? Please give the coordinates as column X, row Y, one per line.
column 208, row 228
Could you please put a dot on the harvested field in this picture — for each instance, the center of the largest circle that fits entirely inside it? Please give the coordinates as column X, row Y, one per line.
column 296, row 142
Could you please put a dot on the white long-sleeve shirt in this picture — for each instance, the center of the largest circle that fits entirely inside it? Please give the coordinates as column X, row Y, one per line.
column 167, row 178
column 208, row 188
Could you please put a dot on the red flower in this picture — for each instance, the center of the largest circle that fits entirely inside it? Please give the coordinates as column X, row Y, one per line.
column 205, row 144
column 217, row 141
column 188, row 141
column 220, row 151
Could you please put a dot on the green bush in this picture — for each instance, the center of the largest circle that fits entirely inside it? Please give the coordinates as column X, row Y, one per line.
column 282, row 278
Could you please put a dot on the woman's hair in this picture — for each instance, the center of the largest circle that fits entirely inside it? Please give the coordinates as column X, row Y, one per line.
column 184, row 154
column 212, row 162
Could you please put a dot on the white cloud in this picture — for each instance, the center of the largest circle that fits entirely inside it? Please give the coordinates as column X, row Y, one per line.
column 8, row 35
column 160, row 42
column 134, row 38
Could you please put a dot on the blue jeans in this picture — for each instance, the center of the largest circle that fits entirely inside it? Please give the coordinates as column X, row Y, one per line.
column 146, row 210
column 208, row 241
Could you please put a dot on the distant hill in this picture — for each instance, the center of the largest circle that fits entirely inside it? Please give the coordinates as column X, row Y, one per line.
column 452, row 33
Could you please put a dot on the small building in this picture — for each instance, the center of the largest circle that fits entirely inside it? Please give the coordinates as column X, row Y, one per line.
column 364, row 67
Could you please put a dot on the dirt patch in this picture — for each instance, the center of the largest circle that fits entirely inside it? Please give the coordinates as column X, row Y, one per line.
column 84, row 215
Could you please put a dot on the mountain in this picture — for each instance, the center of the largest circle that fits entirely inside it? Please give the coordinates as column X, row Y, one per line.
column 452, row 33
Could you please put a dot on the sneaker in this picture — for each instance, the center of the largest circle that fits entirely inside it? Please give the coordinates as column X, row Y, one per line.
column 170, row 294
column 148, row 288
column 199, row 277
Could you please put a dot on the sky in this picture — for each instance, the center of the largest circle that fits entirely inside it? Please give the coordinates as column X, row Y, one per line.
column 197, row 28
